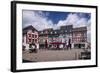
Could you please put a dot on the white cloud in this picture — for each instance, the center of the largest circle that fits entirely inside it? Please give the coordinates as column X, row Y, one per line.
column 37, row 19
column 72, row 18
column 75, row 20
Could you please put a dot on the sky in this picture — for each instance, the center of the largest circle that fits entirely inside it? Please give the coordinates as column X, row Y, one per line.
column 52, row 19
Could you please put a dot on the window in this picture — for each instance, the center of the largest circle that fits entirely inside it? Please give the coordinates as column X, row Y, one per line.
column 29, row 35
column 35, row 40
column 35, row 36
column 29, row 40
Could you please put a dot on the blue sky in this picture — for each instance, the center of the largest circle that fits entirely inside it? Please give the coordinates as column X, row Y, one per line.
column 56, row 16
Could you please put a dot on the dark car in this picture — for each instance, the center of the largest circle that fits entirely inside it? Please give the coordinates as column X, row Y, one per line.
column 85, row 55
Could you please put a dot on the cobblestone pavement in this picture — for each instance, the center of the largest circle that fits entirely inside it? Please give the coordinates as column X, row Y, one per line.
column 52, row 55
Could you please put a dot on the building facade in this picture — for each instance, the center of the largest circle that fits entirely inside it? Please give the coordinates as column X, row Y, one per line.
column 66, row 34
column 65, row 37
column 79, row 39
column 59, row 38
column 30, row 37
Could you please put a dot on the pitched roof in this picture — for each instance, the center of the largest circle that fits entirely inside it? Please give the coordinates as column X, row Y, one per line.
column 28, row 28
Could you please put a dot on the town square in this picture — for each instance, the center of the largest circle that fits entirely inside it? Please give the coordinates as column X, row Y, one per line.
column 55, row 39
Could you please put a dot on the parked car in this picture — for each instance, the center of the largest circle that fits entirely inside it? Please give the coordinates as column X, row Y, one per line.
column 85, row 55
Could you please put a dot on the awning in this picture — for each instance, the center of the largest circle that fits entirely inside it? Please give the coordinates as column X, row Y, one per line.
column 57, row 43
